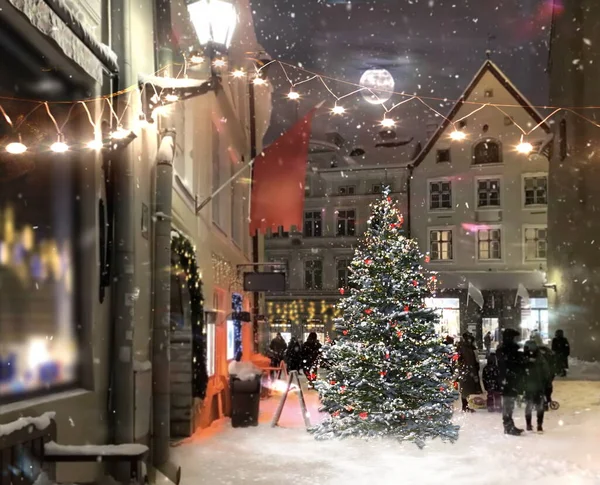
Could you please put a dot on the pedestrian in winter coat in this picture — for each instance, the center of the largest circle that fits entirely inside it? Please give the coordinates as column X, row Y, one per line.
column 492, row 384
column 468, row 370
column 487, row 343
column 293, row 355
column 537, row 380
column 511, row 367
column 278, row 347
column 311, row 350
column 549, row 357
column 562, row 350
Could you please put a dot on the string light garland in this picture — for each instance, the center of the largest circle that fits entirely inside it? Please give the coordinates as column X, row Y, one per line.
column 17, row 147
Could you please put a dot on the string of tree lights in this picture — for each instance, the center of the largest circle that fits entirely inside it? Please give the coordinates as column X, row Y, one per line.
column 163, row 94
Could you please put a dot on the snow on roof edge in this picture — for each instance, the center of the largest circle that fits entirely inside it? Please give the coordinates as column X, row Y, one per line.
column 40, row 422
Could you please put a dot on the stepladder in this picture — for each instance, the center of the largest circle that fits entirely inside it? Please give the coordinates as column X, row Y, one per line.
column 293, row 378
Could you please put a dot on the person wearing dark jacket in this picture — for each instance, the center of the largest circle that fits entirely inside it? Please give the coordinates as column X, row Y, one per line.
column 311, row 351
column 562, row 350
column 537, row 380
column 277, row 348
column 468, row 370
column 487, row 343
column 511, row 367
column 492, row 385
column 548, row 355
column 293, row 355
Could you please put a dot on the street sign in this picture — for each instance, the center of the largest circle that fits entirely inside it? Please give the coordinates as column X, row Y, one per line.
column 268, row 281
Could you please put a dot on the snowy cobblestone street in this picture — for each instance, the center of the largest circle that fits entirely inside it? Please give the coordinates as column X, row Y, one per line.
column 566, row 453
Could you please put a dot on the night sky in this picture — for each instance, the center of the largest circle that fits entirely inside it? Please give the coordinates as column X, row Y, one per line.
column 431, row 47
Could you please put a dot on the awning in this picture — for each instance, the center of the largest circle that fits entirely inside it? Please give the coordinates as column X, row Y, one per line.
column 42, row 20
column 491, row 280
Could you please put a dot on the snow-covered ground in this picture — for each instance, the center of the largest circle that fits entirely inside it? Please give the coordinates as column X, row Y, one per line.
column 567, row 453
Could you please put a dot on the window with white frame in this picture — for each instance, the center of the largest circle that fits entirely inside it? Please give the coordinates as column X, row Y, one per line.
column 488, row 193
column 536, row 190
column 489, row 244
column 346, row 190
column 313, row 274
column 536, row 243
column 346, row 222
column 230, row 340
column 343, row 272
column 313, row 224
column 440, row 244
column 440, row 195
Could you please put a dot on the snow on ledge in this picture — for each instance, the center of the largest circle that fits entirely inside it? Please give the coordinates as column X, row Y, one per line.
column 40, row 422
column 142, row 365
column 130, row 449
column 244, row 371
column 171, row 82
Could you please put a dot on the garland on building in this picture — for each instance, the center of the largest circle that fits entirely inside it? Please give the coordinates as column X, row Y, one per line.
column 186, row 251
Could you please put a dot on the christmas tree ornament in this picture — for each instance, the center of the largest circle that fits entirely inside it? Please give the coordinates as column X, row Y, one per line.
column 341, row 291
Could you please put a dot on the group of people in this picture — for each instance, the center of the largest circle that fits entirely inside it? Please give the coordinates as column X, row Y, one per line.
column 297, row 356
column 512, row 373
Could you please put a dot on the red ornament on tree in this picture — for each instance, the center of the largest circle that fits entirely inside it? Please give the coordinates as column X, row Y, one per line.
column 427, row 259
column 399, row 333
column 442, row 389
column 332, row 383
column 364, row 415
column 335, row 414
column 406, row 308
column 345, row 332
column 434, row 278
column 389, row 199
column 382, row 373
column 368, row 311
column 387, row 355
column 415, row 283
column 341, row 291
column 368, row 261
column 342, row 389
column 409, row 375
column 455, row 357
column 401, row 219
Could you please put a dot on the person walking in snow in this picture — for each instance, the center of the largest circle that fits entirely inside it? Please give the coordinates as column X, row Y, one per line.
column 511, row 367
column 487, row 343
column 562, row 350
column 311, row 351
column 277, row 347
column 293, row 355
column 492, row 384
column 537, row 380
column 468, row 371
column 549, row 357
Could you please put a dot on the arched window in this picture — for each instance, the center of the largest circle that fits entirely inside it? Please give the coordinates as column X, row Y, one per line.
column 487, row 151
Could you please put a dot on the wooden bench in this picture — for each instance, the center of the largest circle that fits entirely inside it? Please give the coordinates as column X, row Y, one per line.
column 28, row 446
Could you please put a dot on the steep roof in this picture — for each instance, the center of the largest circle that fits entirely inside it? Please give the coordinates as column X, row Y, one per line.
column 488, row 66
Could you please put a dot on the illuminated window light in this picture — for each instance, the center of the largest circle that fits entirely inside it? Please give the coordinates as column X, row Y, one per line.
column 238, row 73
column 388, row 123
column 59, row 146
column 293, row 95
column 457, row 135
column 16, row 147
column 524, row 148
column 171, row 98
column 120, row 133
column 219, row 63
column 258, row 81
column 338, row 110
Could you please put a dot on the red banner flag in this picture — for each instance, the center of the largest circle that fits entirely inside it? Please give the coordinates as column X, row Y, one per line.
column 278, row 180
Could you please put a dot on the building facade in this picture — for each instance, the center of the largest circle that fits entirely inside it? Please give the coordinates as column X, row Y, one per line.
column 82, row 218
column 479, row 210
column 573, row 266
column 316, row 257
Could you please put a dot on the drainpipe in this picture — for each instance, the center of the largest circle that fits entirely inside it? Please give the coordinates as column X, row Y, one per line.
column 124, row 290
column 161, row 331
column 408, row 207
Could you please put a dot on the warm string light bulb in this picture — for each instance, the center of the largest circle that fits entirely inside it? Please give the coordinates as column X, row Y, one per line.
column 171, row 98
column 16, row 147
column 238, row 73
column 524, row 148
column 59, row 146
column 219, row 63
column 293, row 95
column 338, row 110
column 388, row 123
column 120, row 133
column 95, row 144
column 196, row 59
column 258, row 81
column 457, row 135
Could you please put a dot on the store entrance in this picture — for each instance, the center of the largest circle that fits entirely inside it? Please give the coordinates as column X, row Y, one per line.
column 448, row 310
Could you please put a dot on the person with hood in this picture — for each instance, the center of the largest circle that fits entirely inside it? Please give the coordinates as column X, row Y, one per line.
column 548, row 355
column 293, row 355
column 487, row 343
column 562, row 350
column 468, row 371
column 511, row 367
column 492, row 384
column 311, row 351
column 277, row 350
column 537, row 380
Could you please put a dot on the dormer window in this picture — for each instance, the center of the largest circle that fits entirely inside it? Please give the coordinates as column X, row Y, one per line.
column 487, row 152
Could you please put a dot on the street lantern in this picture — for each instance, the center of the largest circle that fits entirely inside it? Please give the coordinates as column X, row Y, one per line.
column 214, row 21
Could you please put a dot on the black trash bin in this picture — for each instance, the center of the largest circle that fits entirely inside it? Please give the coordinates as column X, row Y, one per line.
column 245, row 401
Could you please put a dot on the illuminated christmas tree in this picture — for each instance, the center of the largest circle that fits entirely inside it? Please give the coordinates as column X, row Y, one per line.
column 390, row 374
